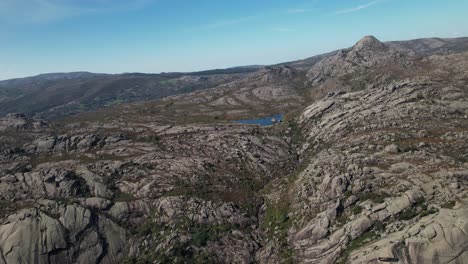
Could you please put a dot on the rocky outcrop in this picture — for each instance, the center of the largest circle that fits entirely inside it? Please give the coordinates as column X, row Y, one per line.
column 366, row 54
column 433, row 239
column 199, row 211
column 77, row 236
column 100, row 189
column 32, row 237
column 21, row 122
column 376, row 175
column 275, row 74
column 45, row 183
column 77, row 143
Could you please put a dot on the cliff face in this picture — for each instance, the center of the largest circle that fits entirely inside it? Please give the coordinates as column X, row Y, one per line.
column 370, row 164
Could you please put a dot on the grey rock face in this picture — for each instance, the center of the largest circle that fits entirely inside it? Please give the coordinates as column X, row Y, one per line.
column 27, row 230
column 48, row 182
column 71, row 144
column 76, row 237
column 392, row 148
column 21, row 122
column 117, row 207
column 372, row 154
column 434, row 239
column 365, row 57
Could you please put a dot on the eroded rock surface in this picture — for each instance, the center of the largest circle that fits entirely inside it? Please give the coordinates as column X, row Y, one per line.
column 369, row 165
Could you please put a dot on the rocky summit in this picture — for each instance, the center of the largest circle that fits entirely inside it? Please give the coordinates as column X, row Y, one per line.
column 369, row 163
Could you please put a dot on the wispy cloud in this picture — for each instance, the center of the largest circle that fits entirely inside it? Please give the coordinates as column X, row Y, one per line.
column 311, row 6
column 37, row 11
column 234, row 21
column 230, row 22
column 357, row 8
column 33, row 11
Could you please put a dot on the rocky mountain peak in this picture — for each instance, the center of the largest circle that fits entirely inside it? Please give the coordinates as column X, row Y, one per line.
column 367, row 52
column 369, row 43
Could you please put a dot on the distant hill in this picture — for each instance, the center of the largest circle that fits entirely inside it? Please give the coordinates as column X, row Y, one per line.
column 56, row 95
column 60, row 94
column 429, row 46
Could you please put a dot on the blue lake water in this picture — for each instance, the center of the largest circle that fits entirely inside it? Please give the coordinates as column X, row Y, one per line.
column 266, row 121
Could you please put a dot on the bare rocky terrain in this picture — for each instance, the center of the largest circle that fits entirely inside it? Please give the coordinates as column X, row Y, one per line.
column 369, row 165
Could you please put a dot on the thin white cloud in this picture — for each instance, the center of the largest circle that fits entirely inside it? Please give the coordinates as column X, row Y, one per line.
column 33, row 11
column 357, row 8
column 312, row 6
column 239, row 20
column 37, row 11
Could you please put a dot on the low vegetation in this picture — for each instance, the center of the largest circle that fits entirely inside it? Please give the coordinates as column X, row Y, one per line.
column 356, row 244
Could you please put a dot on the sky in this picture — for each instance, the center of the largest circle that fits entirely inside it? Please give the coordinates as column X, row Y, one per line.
column 152, row 36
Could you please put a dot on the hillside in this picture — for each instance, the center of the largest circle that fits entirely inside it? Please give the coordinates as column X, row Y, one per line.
column 61, row 94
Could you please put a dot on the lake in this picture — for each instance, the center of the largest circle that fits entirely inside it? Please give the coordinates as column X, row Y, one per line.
column 266, row 121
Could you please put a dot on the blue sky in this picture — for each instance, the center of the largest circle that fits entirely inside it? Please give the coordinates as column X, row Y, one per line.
column 114, row 36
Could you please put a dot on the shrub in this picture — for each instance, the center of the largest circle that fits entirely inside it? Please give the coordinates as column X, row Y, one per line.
column 355, row 244
column 374, row 197
column 356, row 209
column 120, row 196
column 202, row 234
column 408, row 214
column 449, row 204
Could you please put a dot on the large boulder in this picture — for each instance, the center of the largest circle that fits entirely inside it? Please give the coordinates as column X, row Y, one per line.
column 31, row 236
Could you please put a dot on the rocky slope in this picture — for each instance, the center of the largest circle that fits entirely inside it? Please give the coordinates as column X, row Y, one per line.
column 370, row 165
column 392, row 171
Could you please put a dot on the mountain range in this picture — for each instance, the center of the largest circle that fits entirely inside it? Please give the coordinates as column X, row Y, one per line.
column 56, row 95
column 365, row 161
